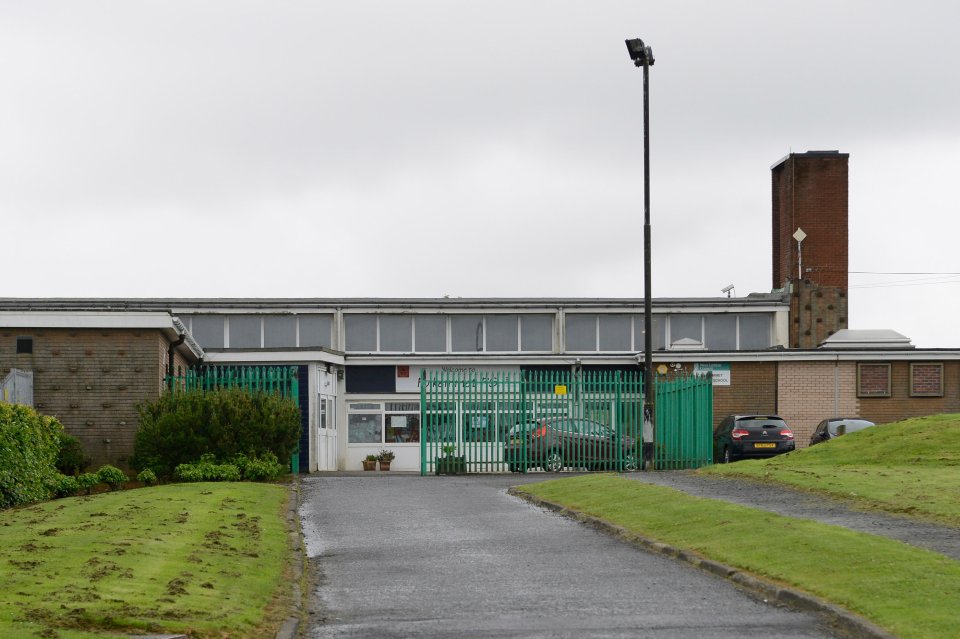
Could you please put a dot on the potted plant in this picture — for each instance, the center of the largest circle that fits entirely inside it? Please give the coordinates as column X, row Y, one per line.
column 451, row 464
column 385, row 457
column 370, row 463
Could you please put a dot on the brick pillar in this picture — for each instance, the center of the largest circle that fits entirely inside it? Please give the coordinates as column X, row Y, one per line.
column 810, row 192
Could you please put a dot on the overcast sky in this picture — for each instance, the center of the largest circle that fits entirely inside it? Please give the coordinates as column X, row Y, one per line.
column 327, row 149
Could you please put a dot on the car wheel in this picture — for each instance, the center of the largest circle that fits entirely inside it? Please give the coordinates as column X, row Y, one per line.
column 631, row 463
column 727, row 457
column 553, row 462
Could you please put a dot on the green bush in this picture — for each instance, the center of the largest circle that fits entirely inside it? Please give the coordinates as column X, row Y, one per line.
column 180, row 427
column 147, row 477
column 65, row 486
column 71, row 459
column 86, row 481
column 264, row 468
column 207, row 469
column 112, row 476
column 29, row 444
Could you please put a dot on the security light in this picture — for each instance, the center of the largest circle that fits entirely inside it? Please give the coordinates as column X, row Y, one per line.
column 639, row 53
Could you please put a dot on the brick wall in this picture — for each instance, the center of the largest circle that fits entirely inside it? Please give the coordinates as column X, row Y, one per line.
column 91, row 380
column 900, row 405
column 752, row 390
column 809, row 392
column 810, row 192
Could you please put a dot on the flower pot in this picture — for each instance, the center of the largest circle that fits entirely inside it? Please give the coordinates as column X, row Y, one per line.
column 369, row 465
column 384, row 465
column 451, row 465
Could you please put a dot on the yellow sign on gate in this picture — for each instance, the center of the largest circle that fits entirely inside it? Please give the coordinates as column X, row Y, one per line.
column 560, row 389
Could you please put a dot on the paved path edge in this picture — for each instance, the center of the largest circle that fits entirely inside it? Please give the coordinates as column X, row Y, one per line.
column 843, row 620
column 291, row 626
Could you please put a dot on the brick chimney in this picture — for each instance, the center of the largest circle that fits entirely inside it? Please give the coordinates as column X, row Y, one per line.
column 810, row 193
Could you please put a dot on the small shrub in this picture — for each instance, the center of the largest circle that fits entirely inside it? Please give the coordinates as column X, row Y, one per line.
column 65, row 486
column 147, row 477
column 227, row 472
column 264, row 468
column 71, row 459
column 112, row 476
column 189, row 472
column 385, row 456
column 207, row 469
column 372, row 458
column 86, row 482
column 29, row 444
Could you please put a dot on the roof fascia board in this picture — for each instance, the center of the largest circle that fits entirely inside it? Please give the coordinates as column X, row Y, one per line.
column 267, row 357
column 809, row 356
column 91, row 319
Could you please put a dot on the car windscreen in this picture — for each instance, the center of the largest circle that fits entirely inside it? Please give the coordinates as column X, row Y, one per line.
column 761, row 423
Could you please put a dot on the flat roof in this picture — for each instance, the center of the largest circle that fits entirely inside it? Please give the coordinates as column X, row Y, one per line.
column 167, row 303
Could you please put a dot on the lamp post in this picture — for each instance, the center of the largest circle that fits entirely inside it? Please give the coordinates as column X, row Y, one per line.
column 642, row 56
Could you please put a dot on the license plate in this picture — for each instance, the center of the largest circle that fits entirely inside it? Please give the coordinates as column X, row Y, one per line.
column 770, row 445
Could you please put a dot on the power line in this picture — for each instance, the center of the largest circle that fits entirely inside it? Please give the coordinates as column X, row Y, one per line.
column 900, row 273
column 906, row 283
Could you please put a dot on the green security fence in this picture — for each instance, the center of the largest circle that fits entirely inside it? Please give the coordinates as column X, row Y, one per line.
column 476, row 422
column 684, row 415
column 271, row 379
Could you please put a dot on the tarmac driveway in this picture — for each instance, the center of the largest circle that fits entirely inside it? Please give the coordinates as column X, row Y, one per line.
column 397, row 555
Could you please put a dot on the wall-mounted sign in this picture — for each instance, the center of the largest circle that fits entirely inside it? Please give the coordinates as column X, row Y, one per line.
column 410, row 383
column 721, row 372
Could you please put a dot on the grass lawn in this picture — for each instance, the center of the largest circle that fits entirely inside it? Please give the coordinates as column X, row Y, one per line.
column 910, row 467
column 208, row 559
column 913, row 593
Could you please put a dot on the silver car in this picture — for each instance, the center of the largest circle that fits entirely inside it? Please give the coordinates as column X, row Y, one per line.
column 837, row 426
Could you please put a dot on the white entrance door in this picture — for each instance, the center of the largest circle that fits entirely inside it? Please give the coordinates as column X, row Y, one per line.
column 326, row 421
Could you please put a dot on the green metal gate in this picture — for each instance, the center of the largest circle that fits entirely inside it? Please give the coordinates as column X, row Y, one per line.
column 684, row 409
column 475, row 422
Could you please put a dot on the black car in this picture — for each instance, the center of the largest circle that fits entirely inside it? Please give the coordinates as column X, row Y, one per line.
column 566, row 442
column 740, row 436
column 830, row 428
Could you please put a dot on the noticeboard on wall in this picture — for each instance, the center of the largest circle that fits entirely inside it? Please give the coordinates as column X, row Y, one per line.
column 721, row 372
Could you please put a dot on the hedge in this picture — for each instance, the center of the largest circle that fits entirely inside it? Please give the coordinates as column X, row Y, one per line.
column 29, row 445
column 181, row 427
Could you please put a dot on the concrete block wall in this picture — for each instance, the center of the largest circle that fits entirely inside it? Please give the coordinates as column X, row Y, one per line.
column 816, row 313
column 91, row 380
column 809, row 392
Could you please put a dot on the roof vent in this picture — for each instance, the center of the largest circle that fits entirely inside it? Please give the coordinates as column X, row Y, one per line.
column 867, row 338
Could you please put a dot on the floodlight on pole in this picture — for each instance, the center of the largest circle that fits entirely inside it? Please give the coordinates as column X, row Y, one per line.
column 642, row 56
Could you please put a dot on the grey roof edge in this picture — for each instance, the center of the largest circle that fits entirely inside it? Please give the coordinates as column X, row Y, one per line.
column 188, row 339
column 820, row 153
column 127, row 304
